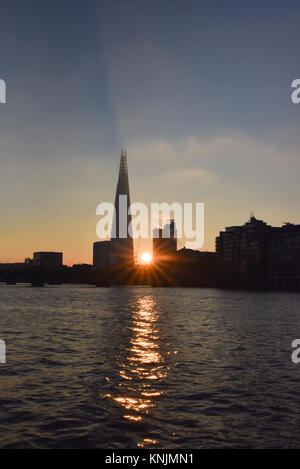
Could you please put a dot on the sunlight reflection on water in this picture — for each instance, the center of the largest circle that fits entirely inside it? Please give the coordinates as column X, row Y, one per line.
column 143, row 363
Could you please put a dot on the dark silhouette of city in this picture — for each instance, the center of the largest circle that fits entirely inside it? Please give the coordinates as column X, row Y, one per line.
column 254, row 255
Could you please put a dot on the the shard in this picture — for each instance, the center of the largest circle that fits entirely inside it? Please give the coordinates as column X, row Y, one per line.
column 121, row 250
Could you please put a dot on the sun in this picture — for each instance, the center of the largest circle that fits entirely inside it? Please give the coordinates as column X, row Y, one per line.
column 146, row 258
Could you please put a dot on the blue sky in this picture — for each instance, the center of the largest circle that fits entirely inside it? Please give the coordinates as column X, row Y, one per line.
column 197, row 91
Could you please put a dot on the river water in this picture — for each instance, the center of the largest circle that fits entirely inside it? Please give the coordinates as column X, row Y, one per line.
column 143, row 367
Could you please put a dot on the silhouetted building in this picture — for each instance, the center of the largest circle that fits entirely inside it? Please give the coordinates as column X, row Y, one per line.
column 82, row 267
column 48, row 260
column 14, row 266
column 242, row 253
column 195, row 268
column 121, row 247
column 164, row 243
column 284, row 257
column 13, row 272
column 101, row 254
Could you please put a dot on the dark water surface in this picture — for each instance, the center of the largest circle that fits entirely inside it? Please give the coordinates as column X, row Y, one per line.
column 143, row 367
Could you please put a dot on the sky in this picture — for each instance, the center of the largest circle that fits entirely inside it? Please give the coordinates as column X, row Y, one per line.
column 198, row 92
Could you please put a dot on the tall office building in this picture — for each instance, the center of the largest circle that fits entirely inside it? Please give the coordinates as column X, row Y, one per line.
column 101, row 254
column 242, row 252
column 284, row 257
column 121, row 246
column 164, row 243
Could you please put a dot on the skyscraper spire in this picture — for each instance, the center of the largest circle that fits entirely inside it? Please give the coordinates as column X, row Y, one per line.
column 122, row 244
column 123, row 171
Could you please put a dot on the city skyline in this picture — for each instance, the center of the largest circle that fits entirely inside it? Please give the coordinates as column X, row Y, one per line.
column 122, row 188
column 204, row 118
